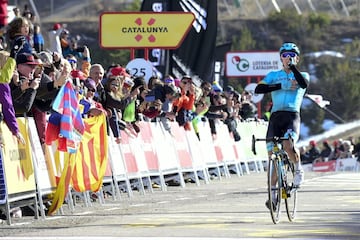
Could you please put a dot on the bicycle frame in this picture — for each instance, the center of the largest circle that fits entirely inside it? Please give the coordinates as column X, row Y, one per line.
column 279, row 188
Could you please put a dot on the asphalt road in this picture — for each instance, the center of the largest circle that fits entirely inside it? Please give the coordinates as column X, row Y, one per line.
column 231, row 208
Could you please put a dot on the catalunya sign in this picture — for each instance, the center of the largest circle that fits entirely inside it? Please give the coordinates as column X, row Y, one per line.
column 144, row 30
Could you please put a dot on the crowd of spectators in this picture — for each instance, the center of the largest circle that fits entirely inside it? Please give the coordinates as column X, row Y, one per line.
column 36, row 70
column 339, row 149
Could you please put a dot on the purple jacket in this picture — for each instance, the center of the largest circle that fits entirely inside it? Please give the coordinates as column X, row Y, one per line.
column 8, row 109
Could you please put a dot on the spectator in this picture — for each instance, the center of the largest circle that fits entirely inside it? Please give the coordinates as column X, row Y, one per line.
column 153, row 81
column 17, row 12
column 46, row 93
column 130, row 112
column 230, row 120
column 115, row 104
column 348, row 149
column 248, row 109
column 7, row 66
column 97, row 73
column 72, row 48
column 91, row 107
column 313, row 151
column 158, row 103
column 214, row 110
column 336, row 152
column 184, row 105
column 18, row 32
column 54, row 38
column 325, row 152
column 356, row 150
column 38, row 39
column 303, row 155
column 24, row 86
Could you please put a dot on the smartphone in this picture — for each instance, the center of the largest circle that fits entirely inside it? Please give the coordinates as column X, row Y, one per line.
column 149, row 98
column 80, row 49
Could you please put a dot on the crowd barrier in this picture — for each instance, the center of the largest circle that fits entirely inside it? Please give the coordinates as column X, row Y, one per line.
column 338, row 165
column 29, row 174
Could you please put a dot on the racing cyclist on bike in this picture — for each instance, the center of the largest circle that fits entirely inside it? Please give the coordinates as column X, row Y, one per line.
column 287, row 87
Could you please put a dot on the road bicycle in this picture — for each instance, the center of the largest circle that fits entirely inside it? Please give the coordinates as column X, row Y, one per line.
column 280, row 165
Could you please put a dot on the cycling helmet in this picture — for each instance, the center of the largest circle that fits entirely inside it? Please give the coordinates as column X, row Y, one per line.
column 289, row 47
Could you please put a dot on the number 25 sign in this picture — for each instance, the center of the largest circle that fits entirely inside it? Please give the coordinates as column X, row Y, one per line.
column 140, row 67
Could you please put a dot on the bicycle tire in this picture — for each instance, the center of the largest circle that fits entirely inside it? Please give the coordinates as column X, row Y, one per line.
column 274, row 204
column 292, row 198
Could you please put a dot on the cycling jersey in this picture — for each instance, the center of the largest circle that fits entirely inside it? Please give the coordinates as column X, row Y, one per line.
column 285, row 99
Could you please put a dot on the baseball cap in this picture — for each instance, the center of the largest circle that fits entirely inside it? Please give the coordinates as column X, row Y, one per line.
column 78, row 74
column 57, row 26
column 46, row 58
column 118, row 71
column 90, row 83
column 26, row 58
column 229, row 89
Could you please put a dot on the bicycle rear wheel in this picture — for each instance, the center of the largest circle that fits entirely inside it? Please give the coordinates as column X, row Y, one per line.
column 274, row 199
column 291, row 200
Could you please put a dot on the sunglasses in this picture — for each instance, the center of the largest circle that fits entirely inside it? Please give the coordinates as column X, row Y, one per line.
column 288, row 54
column 72, row 61
column 91, row 90
column 115, row 85
column 207, row 89
column 185, row 82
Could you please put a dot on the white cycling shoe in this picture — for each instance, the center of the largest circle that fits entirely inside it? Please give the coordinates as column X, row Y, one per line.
column 298, row 178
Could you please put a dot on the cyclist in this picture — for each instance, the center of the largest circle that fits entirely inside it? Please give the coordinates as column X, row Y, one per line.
column 287, row 87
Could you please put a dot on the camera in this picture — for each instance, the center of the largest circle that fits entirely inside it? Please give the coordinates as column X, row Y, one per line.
column 80, row 49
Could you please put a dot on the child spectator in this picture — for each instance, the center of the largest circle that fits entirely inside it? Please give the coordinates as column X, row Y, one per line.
column 18, row 32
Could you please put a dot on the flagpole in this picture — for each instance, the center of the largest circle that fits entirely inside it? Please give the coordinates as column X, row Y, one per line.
column 333, row 114
column 327, row 110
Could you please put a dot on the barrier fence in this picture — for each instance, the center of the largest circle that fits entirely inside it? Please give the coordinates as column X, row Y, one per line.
column 32, row 174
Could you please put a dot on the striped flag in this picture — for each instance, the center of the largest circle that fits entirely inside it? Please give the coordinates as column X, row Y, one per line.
column 65, row 124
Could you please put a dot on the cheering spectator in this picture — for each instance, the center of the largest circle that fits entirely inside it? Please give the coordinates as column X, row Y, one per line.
column 7, row 66
column 54, row 38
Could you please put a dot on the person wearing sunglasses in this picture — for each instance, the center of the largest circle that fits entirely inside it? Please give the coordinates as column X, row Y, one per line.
column 287, row 87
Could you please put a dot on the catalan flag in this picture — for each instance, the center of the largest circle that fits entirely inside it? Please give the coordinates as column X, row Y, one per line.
column 84, row 169
column 92, row 159
column 64, row 183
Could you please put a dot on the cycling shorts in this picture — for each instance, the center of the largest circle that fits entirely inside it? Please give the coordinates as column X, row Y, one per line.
column 283, row 124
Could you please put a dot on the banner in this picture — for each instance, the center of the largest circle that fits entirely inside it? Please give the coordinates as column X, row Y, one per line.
column 17, row 160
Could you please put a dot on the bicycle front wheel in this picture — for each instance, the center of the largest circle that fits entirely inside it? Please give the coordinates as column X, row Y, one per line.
column 274, row 190
column 291, row 199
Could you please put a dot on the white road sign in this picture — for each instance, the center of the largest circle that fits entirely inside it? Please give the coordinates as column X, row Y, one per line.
column 139, row 67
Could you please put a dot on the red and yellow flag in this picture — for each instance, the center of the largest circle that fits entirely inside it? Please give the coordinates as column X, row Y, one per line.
column 91, row 163
column 85, row 168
